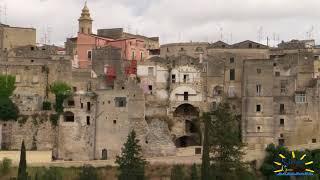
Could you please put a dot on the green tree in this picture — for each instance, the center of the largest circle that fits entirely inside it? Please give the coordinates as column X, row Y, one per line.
column 7, row 85
column 194, row 172
column 8, row 110
column 61, row 90
column 88, row 173
column 177, row 173
column 131, row 163
column 22, row 170
column 224, row 141
column 205, row 166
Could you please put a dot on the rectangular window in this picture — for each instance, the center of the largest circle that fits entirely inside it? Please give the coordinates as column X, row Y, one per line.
column 232, row 75
column 141, row 56
column 186, row 78
column 258, row 108
column 258, row 89
column 282, row 111
column 88, row 120
column 283, row 88
column 133, row 55
column 314, row 140
column 150, row 71
column 150, row 89
column 88, row 106
column 71, row 103
column 232, row 60
column 173, row 78
column 281, row 122
column 89, row 54
column 185, row 96
column 120, row 101
column 277, row 73
column 300, row 97
column 81, row 105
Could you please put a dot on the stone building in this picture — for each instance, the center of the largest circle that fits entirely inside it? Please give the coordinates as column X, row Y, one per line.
column 12, row 37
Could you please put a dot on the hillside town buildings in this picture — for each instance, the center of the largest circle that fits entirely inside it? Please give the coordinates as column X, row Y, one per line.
column 121, row 81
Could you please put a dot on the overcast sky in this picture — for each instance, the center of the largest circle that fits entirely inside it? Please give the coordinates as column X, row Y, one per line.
column 172, row 20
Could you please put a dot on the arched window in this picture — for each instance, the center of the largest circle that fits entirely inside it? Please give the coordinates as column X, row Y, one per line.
column 68, row 116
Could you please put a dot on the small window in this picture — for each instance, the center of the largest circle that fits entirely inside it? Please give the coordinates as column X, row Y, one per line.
column 68, row 116
column 173, row 78
column 32, row 48
column 88, row 120
column 232, row 75
column 231, row 60
column 250, row 45
column 88, row 106
column 122, row 87
column 274, row 64
column 186, row 78
column 168, row 50
column 282, row 111
column 258, row 108
column 114, row 121
column 300, row 97
column 82, row 30
column 120, row 101
column 258, row 89
column 74, row 89
column 283, row 86
column 281, row 122
column 185, row 96
column 277, row 73
column 150, row 87
column 258, row 128
column 89, row 54
column 259, row 71
column 71, row 103
column 133, row 55
column 31, row 60
column 182, row 49
column 314, row 140
column 81, row 105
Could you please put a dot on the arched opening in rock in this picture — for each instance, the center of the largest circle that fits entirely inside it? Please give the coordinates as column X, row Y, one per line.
column 186, row 110
column 186, row 141
column 68, row 116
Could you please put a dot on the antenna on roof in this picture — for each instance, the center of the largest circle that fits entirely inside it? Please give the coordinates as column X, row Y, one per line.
column 260, row 33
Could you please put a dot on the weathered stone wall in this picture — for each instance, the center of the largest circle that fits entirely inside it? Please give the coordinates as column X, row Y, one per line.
column 36, row 131
column 12, row 37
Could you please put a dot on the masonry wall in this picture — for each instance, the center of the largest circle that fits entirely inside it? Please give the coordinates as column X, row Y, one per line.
column 12, row 37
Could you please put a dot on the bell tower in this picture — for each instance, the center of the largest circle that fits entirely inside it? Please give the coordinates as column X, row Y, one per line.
column 85, row 21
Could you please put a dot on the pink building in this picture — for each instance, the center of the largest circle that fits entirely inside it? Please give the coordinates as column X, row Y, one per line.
column 133, row 48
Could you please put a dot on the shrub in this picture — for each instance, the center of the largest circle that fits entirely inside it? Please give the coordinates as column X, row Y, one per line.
column 5, row 166
column 54, row 118
column 8, row 110
column 88, row 173
column 46, row 105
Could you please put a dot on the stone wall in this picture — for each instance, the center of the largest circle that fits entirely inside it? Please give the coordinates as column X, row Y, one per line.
column 36, row 130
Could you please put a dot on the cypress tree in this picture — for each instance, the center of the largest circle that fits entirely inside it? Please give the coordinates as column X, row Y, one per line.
column 205, row 166
column 22, row 171
column 131, row 163
column 194, row 172
column 177, row 173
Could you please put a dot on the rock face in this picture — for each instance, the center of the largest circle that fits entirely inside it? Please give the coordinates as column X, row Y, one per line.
column 158, row 140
